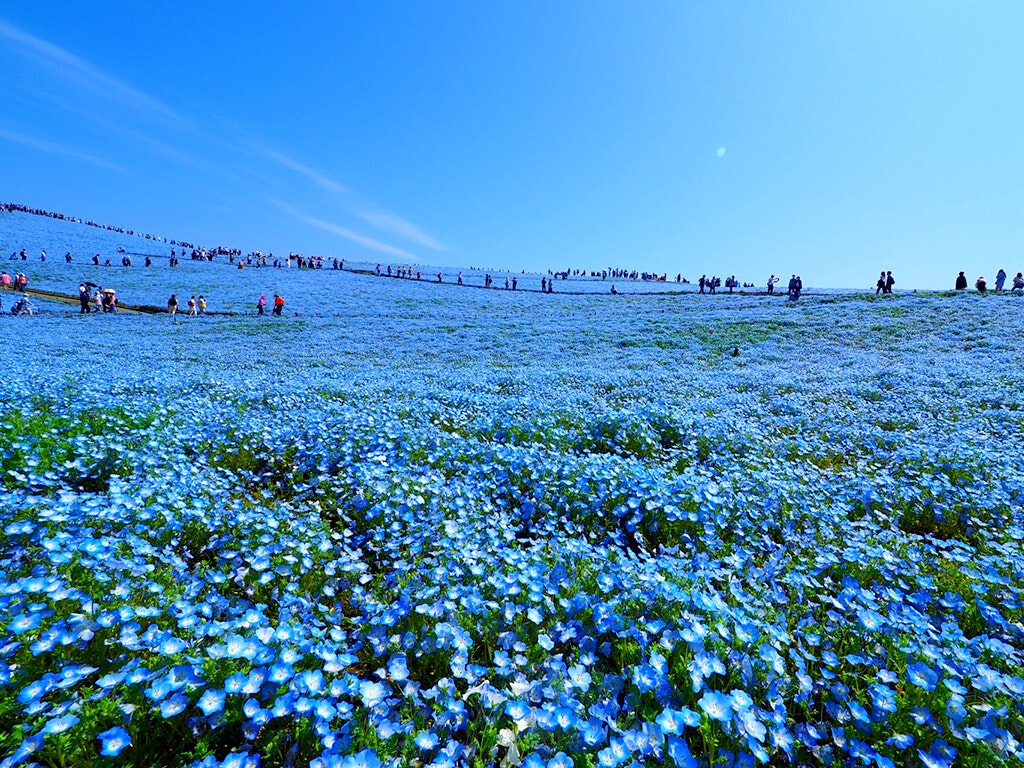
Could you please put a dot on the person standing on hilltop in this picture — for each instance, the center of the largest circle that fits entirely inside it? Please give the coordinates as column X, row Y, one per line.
column 889, row 282
column 880, row 285
column 961, row 282
column 1000, row 280
column 772, row 280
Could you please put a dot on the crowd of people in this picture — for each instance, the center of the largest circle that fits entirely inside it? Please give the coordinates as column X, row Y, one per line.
column 196, row 305
column 981, row 284
column 106, row 300
column 17, row 208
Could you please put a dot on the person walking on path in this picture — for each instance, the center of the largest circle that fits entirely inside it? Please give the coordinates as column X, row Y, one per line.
column 261, row 304
column 84, row 297
column 201, row 304
column 192, row 306
column 889, row 282
column 172, row 305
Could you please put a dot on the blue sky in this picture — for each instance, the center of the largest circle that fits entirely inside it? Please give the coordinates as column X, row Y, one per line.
column 829, row 139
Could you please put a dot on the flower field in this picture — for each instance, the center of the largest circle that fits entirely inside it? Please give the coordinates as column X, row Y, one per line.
column 412, row 524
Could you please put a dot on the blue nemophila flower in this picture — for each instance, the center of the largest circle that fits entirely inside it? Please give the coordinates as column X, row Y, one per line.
column 986, row 678
column 593, row 732
column 923, row 676
column 941, row 755
column 954, row 685
column 171, row 646
column 280, row 673
column 255, row 680
column 901, row 740
column 869, row 619
column 398, row 668
column 251, row 708
column 955, row 710
column 751, row 725
column 372, row 693
column 366, row 758
column 159, row 688
column 718, row 706
column 173, row 706
column 25, row 622
column 114, row 740
column 645, row 677
column 680, row 753
column 34, row 690
column 425, row 740
column 672, row 721
column 579, row 677
column 211, row 701
column 519, row 711
column 561, row 760
column 59, row 724
column 235, row 682
column 27, row 747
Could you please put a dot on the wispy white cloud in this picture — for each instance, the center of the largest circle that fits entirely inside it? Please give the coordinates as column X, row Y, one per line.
column 83, row 74
column 396, row 225
column 385, row 221
column 83, row 89
column 58, row 149
column 345, row 232
column 320, row 180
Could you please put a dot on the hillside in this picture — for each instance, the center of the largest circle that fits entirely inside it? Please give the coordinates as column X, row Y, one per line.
column 412, row 524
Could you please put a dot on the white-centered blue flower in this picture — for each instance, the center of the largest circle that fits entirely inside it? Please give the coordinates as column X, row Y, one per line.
column 114, row 740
